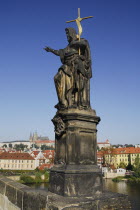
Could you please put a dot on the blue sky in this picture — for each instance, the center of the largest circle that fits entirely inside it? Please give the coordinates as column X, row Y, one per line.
column 27, row 92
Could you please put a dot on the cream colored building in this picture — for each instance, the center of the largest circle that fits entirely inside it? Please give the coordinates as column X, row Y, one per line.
column 105, row 144
column 13, row 143
column 17, row 161
column 122, row 155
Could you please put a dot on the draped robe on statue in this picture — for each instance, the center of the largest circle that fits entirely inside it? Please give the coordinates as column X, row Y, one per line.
column 72, row 79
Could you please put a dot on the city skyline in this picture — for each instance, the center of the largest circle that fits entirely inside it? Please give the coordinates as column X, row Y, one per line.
column 27, row 90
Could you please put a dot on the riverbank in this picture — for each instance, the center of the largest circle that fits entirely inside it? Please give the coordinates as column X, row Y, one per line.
column 27, row 177
column 129, row 179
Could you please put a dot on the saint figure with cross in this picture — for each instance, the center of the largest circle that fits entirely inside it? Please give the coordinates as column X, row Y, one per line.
column 73, row 78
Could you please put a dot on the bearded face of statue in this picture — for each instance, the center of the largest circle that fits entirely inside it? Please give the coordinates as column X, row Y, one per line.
column 71, row 34
column 69, row 38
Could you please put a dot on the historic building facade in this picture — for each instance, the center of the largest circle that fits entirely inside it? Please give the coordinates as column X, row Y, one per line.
column 39, row 140
column 103, row 144
column 18, row 161
column 124, row 155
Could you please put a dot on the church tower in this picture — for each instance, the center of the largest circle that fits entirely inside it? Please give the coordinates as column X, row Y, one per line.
column 35, row 137
column 31, row 138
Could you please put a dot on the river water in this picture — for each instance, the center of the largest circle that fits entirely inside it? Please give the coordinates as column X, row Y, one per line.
column 132, row 190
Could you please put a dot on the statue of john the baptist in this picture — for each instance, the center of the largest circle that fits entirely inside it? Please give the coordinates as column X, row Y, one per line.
column 72, row 79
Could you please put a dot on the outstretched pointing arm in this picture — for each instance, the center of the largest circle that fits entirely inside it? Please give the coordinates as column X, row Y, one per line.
column 48, row 49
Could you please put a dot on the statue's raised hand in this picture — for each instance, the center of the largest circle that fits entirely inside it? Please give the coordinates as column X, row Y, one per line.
column 56, row 52
column 48, row 49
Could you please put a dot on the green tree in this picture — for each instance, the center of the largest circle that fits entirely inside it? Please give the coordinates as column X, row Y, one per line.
column 47, row 175
column 16, row 147
column 4, row 146
column 98, row 148
column 38, row 177
column 44, row 147
column 129, row 167
column 26, row 179
column 137, row 167
column 137, row 162
column 19, row 147
column 129, row 145
column 10, row 145
column 122, row 165
column 108, row 151
column 117, row 145
column 34, row 146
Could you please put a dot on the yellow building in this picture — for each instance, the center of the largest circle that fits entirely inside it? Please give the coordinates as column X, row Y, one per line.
column 121, row 155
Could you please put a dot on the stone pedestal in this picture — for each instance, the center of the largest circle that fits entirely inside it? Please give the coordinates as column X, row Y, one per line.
column 76, row 172
column 76, row 181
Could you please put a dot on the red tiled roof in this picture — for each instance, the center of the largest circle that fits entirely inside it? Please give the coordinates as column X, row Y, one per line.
column 48, row 153
column 128, row 150
column 124, row 150
column 99, row 154
column 43, row 166
column 16, row 156
column 35, row 153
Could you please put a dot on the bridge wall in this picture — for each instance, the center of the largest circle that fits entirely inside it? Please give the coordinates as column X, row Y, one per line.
column 16, row 196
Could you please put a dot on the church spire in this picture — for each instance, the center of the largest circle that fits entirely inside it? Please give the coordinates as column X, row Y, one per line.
column 31, row 137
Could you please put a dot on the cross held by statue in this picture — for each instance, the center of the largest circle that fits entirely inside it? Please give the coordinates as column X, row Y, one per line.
column 78, row 20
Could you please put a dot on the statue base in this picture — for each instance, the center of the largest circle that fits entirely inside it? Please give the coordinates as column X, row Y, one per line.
column 75, row 172
column 76, row 181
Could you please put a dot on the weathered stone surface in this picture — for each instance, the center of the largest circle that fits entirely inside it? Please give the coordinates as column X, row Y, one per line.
column 3, row 183
column 76, row 160
column 5, row 204
column 83, row 181
column 25, row 198
column 105, row 201
column 34, row 199
column 14, row 196
column 77, row 145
